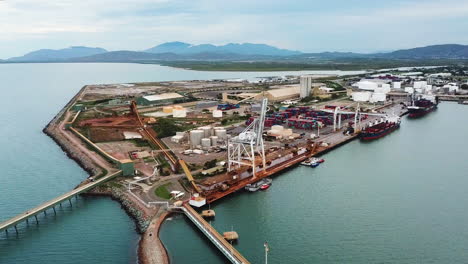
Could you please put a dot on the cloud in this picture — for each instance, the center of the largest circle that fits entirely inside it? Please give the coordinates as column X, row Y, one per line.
column 310, row 25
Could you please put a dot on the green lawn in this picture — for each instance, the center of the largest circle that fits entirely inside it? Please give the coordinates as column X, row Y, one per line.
column 163, row 192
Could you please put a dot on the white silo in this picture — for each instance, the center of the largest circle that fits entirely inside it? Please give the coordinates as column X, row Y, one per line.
column 221, row 133
column 206, row 131
column 196, row 137
column 214, row 140
column 205, row 142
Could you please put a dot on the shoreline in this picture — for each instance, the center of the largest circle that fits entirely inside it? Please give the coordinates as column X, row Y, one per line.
column 145, row 222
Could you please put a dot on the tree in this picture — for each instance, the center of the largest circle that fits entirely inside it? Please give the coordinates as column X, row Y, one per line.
column 464, row 86
column 166, row 128
column 210, row 164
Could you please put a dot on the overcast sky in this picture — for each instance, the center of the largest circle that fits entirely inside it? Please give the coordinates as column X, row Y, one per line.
column 305, row 25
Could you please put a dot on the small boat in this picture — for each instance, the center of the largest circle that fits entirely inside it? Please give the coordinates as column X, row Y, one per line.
column 264, row 187
column 313, row 162
column 253, row 187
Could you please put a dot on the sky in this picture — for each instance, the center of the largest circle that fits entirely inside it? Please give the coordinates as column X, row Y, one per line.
column 304, row 25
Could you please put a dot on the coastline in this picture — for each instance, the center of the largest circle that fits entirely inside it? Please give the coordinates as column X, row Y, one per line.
column 148, row 221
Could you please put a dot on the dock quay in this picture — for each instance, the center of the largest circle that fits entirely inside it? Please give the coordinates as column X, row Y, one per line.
column 217, row 239
column 13, row 222
column 278, row 168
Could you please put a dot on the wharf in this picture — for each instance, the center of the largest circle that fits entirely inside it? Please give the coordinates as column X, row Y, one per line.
column 13, row 222
column 217, row 239
column 278, row 168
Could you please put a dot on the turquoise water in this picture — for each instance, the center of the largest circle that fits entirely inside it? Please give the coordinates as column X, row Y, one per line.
column 34, row 169
column 400, row 199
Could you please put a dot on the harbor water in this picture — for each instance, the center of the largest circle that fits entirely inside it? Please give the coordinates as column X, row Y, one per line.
column 399, row 199
column 34, row 169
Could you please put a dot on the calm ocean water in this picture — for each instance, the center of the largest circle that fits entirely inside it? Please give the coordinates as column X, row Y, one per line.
column 34, row 169
column 399, row 199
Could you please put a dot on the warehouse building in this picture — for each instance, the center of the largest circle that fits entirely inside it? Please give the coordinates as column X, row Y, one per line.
column 159, row 99
column 282, row 94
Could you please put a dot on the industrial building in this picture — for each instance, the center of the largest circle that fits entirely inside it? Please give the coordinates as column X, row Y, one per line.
column 281, row 94
column 158, row 99
column 307, row 85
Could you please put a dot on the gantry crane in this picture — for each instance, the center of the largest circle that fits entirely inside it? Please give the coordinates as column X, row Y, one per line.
column 242, row 148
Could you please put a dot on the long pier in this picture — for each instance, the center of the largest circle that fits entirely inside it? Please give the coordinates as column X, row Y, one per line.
column 13, row 222
column 225, row 247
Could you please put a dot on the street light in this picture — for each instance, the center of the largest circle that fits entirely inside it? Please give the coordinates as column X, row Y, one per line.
column 267, row 249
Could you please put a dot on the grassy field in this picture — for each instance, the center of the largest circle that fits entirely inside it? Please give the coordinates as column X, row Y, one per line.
column 163, row 192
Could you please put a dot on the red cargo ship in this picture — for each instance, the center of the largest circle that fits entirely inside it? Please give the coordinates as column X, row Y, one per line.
column 380, row 128
column 421, row 107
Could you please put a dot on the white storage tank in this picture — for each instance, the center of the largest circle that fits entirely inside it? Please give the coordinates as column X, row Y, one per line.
column 221, row 133
column 206, row 142
column 217, row 113
column 378, row 97
column 409, row 90
column 214, row 140
column 196, row 137
column 361, row 96
column 206, row 131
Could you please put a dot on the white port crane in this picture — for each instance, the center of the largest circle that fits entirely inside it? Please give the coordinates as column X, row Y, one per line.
column 242, row 148
column 337, row 112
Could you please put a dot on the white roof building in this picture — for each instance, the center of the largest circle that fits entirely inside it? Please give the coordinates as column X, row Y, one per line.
column 163, row 96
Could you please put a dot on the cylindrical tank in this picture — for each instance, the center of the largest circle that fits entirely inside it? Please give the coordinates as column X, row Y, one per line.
column 221, row 133
column 196, row 137
column 214, row 140
column 206, row 142
column 206, row 131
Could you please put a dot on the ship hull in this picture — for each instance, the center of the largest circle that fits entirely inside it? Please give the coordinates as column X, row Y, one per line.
column 421, row 112
column 366, row 136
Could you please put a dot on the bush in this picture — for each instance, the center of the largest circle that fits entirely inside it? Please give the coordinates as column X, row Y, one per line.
column 210, row 164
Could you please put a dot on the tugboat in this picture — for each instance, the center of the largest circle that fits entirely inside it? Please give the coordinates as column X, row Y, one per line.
column 312, row 162
column 253, row 187
column 380, row 128
column 422, row 106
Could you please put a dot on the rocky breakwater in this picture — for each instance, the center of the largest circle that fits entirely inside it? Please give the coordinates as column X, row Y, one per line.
column 148, row 222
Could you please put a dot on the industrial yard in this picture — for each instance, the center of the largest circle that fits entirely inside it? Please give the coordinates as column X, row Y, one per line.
column 214, row 137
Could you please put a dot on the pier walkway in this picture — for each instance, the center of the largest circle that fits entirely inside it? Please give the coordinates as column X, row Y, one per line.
column 225, row 247
column 52, row 203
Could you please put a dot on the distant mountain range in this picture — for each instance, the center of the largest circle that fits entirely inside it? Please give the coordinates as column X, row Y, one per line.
column 234, row 48
column 180, row 51
column 58, row 55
